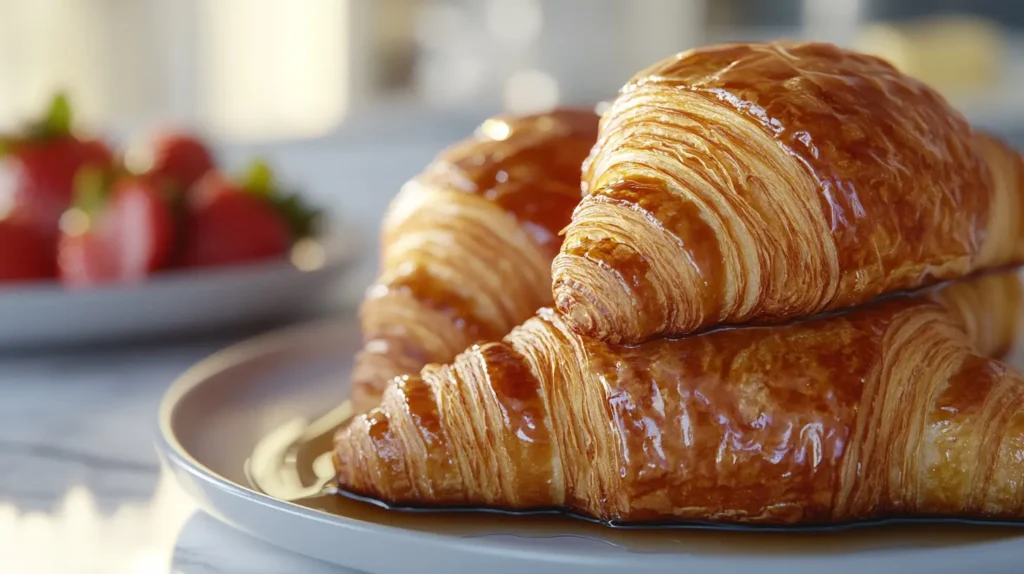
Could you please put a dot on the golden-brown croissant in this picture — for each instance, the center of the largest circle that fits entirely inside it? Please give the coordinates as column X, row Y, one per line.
column 882, row 411
column 468, row 244
column 761, row 182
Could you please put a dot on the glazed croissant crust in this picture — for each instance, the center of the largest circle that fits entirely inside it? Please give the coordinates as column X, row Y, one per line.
column 468, row 244
column 760, row 182
column 888, row 410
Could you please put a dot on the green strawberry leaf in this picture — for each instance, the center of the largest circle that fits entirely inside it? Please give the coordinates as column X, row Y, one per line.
column 59, row 116
column 301, row 218
column 56, row 122
column 259, row 178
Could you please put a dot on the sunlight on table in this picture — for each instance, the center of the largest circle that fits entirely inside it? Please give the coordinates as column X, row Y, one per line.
column 137, row 538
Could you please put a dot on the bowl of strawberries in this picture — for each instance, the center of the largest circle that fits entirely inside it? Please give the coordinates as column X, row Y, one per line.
column 94, row 248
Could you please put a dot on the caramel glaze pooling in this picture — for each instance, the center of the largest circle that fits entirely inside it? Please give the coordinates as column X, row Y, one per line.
column 468, row 244
column 887, row 410
column 759, row 182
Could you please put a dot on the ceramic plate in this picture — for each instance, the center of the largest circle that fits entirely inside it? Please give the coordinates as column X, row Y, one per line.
column 213, row 417
column 173, row 302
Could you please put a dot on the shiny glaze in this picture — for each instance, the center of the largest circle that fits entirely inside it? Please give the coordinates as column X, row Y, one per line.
column 780, row 180
column 883, row 411
column 433, row 292
column 468, row 244
column 527, row 165
column 884, row 149
column 307, row 466
column 739, row 424
column 734, row 422
column 521, row 422
column 516, row 462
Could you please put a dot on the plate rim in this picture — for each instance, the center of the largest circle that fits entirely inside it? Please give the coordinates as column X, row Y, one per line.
column 221, row 361
column 239, row 353
column 176, row 454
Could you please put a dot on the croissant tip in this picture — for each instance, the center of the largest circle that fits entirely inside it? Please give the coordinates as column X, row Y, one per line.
column 576, row 296
column 343, row 455
column 574, row 313
column 352, row 467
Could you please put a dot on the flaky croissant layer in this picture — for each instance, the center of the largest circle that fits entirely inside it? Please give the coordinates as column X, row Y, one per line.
column 761, row 182
column 884, row 411
column 468, row 244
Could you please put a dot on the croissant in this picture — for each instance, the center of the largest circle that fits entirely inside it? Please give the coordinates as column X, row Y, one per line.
column 468, row 244
column 760, row 182
column 883, row 411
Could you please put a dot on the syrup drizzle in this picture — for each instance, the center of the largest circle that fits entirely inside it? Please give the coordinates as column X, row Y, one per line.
column 293, row 463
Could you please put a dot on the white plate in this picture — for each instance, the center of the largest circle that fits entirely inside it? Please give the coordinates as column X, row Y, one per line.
column 173, row 302
column 212, row 417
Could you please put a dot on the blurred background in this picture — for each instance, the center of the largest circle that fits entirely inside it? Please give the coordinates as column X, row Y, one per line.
column 351, row 97
column 348, row 99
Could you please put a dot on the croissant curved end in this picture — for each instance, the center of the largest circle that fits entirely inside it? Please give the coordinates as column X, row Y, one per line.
column 467, row 245
column 765, row 182
column 583, row 296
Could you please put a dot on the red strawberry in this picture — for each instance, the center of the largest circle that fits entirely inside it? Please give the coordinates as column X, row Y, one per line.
column 227, row 225
column 24, row 256
column 119, row 233
column 180, row 159
column 235, row 222
column 41, row 165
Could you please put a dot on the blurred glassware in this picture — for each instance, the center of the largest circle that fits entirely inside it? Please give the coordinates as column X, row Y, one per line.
column 278, row 70
column 270, row 70
column 528, row 55
column 957, row 55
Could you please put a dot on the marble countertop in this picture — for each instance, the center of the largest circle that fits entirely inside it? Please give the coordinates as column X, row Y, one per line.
column 81, row 489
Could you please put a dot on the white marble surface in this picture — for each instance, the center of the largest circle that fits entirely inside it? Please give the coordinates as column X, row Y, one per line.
column 81, row 490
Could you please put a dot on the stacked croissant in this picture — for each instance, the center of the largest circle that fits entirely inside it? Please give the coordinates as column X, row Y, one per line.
column 769, row 306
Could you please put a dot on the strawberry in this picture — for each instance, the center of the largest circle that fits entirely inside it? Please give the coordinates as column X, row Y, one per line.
column 119, row 232
column 24, row 255
column 242, row 221
column 40, row 166
column 179, row 159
